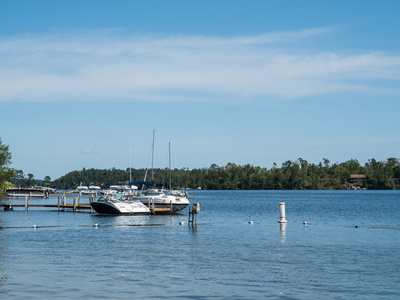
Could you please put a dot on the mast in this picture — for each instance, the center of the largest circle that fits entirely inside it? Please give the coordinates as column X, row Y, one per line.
column 130, row 164
column 170, row 166
column 152, row 159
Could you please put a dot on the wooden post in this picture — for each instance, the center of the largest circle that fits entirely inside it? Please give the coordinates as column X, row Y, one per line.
column 75, row 203
column 26, row 203
column 64, row 202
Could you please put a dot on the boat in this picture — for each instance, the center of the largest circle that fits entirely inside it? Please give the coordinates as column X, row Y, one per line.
column 93, row 189
column 125, row 190
column 160, row 199
column 45, row 189
column 119, row 204
column 82, row 189
column 26, row 192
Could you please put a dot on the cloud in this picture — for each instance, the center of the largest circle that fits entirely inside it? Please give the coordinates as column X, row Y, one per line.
column 107, row 65
column 87, row 151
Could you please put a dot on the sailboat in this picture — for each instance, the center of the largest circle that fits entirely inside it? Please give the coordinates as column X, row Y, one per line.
column 159, row 198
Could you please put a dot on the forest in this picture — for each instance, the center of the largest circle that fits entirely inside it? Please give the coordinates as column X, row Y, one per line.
column 291, row 175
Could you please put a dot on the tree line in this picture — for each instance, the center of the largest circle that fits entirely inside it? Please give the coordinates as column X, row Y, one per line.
column 291, row 175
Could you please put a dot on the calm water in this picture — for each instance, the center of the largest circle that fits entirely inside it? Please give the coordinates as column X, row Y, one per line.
column 223, row 257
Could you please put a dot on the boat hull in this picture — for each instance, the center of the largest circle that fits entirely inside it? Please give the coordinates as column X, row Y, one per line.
column 110, row 208
column 174, row 207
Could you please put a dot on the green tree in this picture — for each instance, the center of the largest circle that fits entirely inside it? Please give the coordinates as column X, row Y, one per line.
column 5, row 171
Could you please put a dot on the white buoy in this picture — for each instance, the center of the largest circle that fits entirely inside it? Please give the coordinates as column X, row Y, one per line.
column 250, row 222
column 34, row 226
column 282, row 212
column 305, row 223
column 96, row 225
column 180, row 223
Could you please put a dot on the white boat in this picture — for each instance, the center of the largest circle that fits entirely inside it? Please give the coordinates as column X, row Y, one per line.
column 82, row 188
column 118, row 204
column 93, row 189
column 25, row 192
column 158, row 198
column 45, row 189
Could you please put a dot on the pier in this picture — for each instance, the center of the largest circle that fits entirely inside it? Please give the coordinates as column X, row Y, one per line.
column 66, row 201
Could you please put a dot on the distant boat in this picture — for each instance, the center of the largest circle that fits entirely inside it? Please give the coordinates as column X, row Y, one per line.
column 45, row 188
column 118, row 204
column 125, row 190
column 94, row 189
column 82, row 188
column 24, row 192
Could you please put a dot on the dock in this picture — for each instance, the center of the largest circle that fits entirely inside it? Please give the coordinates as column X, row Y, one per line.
column 62, row 203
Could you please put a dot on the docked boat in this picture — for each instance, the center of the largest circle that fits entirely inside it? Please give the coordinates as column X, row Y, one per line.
column 82, row 189
column 125, row 190
column 119, row 204
column 93, row 189
column 158, row 198
column 26, row 192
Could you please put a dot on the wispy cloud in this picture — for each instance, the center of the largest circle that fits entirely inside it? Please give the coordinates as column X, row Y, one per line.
column 88, row 152
column 106, row 65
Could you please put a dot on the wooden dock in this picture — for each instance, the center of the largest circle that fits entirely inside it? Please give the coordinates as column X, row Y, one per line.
column 62, row 203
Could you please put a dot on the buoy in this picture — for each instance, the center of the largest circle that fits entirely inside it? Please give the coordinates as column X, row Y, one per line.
column 34, row 226
column 282, row 212
column 356, row 226
column 250, row 222
column 96, row 225
column 180, row 223
column 305, row 223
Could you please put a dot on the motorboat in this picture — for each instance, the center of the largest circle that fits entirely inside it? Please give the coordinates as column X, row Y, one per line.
column 159, row 198
column 82, row 189
column 93, row 189
column 119, row 204
column 45, row 189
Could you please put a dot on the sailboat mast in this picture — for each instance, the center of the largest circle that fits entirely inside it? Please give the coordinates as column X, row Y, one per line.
column 170, row 166
column 130, row 164
column 152, row 159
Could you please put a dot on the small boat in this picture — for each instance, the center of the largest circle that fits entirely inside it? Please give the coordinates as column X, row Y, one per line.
column 125, row 190
column 119, row 204
column 82, row 189
column 45, row 189
column 93, row 189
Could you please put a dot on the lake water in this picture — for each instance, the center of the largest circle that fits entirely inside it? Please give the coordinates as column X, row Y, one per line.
column 236, row 251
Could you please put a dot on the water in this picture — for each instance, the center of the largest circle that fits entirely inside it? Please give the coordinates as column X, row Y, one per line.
column 224, row 257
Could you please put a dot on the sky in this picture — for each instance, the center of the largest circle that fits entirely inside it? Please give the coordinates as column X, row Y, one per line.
column 83, row 84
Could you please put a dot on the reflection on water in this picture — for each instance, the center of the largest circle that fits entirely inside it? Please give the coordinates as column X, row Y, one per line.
column 282, row 228
column 223, row 257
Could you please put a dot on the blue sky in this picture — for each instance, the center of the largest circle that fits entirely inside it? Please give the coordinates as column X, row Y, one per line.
column 247, row 82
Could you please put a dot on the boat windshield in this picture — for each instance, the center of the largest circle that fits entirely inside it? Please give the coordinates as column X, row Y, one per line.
column 150, row 193
column 167, row 193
